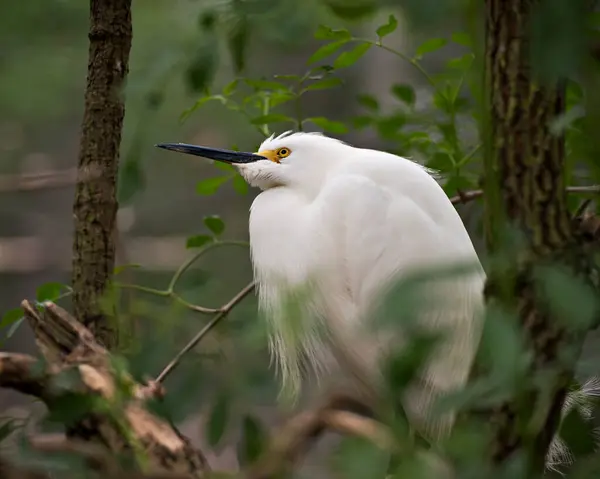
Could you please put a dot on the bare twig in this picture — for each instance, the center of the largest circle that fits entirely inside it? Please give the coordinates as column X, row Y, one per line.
column 170, row 291
column 303, row 430
column 38, row 181
column 222, row 312
column 124, row 424
column 467, row 196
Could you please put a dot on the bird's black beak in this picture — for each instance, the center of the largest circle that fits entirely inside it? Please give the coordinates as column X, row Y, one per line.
column 226, row 156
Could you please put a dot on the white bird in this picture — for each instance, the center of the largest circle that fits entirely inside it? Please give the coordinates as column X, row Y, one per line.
column 332, row 230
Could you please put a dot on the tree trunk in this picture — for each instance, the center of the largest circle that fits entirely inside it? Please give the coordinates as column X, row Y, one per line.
column 525, row 189
column 95, row 205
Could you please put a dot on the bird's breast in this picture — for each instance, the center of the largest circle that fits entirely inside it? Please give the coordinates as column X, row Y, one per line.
column 282, row 238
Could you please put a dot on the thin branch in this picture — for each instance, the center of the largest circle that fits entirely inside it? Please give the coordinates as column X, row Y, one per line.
column 38, row 181
column 466, row 196
column 222, row 312
column 300, row 432
column 170, row 291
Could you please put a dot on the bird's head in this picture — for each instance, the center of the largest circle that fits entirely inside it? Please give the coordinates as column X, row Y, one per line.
column 290, row 159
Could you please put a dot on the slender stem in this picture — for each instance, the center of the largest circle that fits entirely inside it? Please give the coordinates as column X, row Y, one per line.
column 222, row 312
column 170, row 291
column 467, row 196
column 186, row 265
column 401, row 55
column 143, row 289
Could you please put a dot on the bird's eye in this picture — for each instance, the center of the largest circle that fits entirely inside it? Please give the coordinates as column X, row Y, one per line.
column 283, row 152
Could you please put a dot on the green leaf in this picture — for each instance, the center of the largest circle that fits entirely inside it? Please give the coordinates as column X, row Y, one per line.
column 224, row 166
column 237, row 40
column 49, row 292
column 240, row 185
column 326, row 50
column 217, row 422
column 350, row 57
column 265, row 84
column 462, row 38
column 430, row 46
column 368, row 101
column 441, row 161
column 329, row 125
column 270, row 118
column 405, row 93
column 351, row 9
column 325, row 83
column 214, row 224
column 578, row 434
column 388, row 28
column 210, row 185
column 462, row 63
column 388, row 127
column 569, row 299
column 361, row 122
column 10, row 317
column 253, row 441
column 201, row 71
column 14, row 327
column 326, row 33
column 198, row 241
column 230, row 87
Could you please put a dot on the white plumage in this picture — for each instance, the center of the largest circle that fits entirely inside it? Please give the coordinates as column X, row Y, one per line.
column 333, row 229
column 334, row 226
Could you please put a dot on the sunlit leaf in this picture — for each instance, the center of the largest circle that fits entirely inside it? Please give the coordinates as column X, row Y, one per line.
column 326, row 50
column 198, row 241
column 405, row 93
column 329, row 125
column 49, row 291
column 430, row 46
column 210, row 185
column 388, row 28
column 350, row 57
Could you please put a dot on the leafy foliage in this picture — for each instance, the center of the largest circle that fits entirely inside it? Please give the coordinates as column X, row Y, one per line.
column 434, row 124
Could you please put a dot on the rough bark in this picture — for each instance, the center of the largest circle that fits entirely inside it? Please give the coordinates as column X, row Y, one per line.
column 118, row 423
column 527, row 162
column 95, row 204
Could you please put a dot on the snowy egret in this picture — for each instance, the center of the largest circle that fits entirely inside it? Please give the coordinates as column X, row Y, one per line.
column 335, row 226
